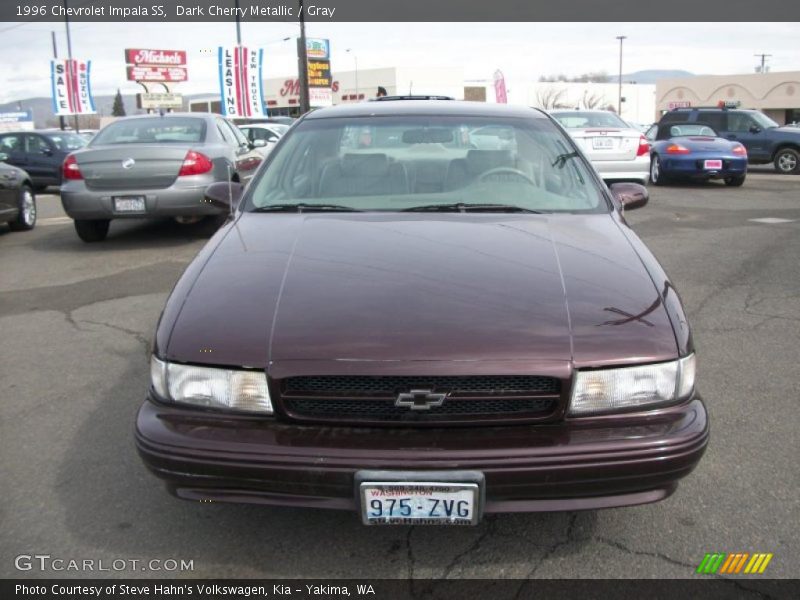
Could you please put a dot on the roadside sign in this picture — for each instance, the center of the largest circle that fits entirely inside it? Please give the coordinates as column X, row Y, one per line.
column 240, row 81
column 679, row 104
column 141, row 56
column 16, row 121
column 155, row 100
column 157, row 73
column 318, row 48
column 319, row 97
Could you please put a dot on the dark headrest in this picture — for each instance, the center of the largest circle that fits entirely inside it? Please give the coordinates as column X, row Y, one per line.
column 479, row 161
column 372, row 165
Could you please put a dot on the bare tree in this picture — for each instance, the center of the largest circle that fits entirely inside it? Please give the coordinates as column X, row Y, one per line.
column 549, row 98
column 592, row 100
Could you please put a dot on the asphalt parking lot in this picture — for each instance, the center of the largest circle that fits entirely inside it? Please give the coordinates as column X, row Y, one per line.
column 77, row 320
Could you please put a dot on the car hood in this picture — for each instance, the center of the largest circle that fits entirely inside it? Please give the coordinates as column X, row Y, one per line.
column 367, row 287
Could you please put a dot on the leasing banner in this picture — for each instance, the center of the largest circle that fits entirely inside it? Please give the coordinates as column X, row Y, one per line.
column 71, row 87
column 240, row 82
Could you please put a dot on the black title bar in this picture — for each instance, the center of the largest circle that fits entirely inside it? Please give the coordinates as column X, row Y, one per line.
column 401, row 11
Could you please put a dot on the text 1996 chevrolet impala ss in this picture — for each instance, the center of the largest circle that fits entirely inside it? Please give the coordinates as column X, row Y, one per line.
column 424, row 311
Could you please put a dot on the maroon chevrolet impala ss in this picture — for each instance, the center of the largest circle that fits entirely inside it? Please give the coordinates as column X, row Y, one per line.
column 422, row 311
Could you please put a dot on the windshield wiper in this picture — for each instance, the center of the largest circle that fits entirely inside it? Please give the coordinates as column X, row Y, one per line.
column 303, row 207
column 562, row 159
column 461, row 207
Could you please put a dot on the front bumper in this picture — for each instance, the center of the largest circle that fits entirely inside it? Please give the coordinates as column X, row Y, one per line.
column 576, row 464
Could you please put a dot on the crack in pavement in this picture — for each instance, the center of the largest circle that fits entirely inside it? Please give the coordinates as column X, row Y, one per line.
column 623, row 548
column 490, row 530
column 137, row 335
column 548, row 553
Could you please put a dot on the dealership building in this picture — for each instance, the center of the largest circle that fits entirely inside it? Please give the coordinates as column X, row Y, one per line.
column 282, row 94
column 776, row 94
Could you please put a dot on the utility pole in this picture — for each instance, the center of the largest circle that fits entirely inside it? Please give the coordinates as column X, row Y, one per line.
column 69, row 54
column 619, row 94
column 763, row 62
column 238, row 26
column 302, row 62
column 55, row 57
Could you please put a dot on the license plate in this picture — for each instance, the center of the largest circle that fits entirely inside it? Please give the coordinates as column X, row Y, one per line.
column 602, row 143
column 713, row 164
column 129, row 204
column 422, row 503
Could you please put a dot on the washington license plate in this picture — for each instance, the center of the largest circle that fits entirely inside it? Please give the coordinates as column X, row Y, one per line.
column 712, row 165
column 602, row 143
column 423, row 503
column 129, row 204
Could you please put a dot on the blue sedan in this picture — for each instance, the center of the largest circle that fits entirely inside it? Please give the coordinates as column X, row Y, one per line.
column 694, row 151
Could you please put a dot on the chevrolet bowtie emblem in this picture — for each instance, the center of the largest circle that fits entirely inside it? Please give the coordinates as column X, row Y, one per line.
column 420, row 399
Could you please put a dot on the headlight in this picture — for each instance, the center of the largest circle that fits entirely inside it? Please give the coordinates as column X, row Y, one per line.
column 215, row 388
column 645, row 386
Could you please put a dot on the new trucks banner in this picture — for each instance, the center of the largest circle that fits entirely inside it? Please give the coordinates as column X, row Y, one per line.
column 240, row 82
column 71, row 87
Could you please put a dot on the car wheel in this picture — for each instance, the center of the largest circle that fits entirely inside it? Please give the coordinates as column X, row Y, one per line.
column 26, row 219
column 735, row 180
column 92, row 231
column 657, row 176
column 787, row 161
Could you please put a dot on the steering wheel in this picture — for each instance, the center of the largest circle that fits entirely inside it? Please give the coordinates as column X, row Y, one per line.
column 509, row 170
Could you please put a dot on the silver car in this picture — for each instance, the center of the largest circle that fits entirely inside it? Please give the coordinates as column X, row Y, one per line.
column 153, row 166
column 264, row 136
column 618, row 151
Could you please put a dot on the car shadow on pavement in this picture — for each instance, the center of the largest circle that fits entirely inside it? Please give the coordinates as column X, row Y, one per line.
column 132, row 234
column 113, row 505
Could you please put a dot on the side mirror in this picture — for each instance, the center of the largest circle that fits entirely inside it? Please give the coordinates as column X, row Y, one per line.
column 224, row 194
column 630, row 195
column 259, row 143
column 755, row 129
column 3, row 157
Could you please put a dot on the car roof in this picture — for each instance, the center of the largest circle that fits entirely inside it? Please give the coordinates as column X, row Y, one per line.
column 444, row 108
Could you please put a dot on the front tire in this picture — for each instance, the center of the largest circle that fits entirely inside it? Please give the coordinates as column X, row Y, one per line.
column 26, row 218
column 787, row 161
column 657, row 176
column 92, row 231
column 735, row 180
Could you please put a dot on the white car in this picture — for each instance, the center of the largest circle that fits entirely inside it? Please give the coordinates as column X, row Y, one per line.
column 264, row 136
column 618, row 151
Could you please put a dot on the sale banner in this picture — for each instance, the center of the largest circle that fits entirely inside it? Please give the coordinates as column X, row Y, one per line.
column 71, row 89
column 500, row 95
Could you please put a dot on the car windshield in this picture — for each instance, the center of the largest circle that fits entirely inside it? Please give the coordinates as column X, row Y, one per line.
column 763, row 120
column 67, row 141
column 689, row 129
column 584, row 120
column 153, row 130
column 414, row 162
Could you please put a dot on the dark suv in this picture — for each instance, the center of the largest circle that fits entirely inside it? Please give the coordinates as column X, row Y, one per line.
column 765, row 140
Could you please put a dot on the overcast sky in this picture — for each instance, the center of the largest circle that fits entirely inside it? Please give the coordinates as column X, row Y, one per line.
column 523, row 51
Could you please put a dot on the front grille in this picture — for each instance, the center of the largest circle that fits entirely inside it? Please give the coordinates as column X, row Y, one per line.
column 385, row 410
column 473, row 398
column 347, row 385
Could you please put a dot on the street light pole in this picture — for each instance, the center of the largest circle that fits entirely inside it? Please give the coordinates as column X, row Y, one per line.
column 355, row 59
column 619, row 95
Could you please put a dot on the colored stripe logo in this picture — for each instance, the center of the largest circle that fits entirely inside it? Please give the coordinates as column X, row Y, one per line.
column 734, row 564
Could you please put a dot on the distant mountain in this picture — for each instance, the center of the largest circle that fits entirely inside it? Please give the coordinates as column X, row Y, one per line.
column 652, row 75
column 43, row 107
